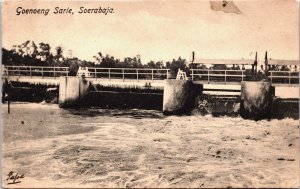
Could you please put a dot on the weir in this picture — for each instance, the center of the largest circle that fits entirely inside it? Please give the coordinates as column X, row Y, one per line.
column 72, row 90
column 180, row 96
column 250, row 99
column 256, row 99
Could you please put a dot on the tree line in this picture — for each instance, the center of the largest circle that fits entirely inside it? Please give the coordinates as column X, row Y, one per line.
column 31, row 54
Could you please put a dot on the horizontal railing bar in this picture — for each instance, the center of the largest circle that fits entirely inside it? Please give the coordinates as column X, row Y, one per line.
column 220, row 75
column 126, row 73
column 296, row 77
column 93, row 68
column 283, row 71
column 120, row 73
column 212, row 70
column 38, row 71
column 36, row 67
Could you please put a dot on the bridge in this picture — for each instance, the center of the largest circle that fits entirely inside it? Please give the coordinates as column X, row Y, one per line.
column 214, row 81
column 136, row 75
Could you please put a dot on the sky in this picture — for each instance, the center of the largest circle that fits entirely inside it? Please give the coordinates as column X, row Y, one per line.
column 159, row 30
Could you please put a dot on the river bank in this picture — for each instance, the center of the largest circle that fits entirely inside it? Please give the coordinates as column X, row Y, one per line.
column 89, row 147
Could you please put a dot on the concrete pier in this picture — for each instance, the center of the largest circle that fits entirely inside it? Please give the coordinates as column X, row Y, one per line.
column 179, row 96
column 71, row 90
column 256, row 100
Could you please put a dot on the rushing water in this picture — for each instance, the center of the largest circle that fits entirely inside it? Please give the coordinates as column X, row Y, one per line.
column 92, row 147
column 50, row 120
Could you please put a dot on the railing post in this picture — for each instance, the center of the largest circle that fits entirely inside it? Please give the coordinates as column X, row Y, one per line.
column 54, row 71
column 7, row 71
column 67, row 70
column 43, row 72
column 167, row 74
column 109, row 74
column 30, row 71
column 19, row 71
column 192, row 74
column 152, row 74
column 137, row 74
column 95, row 73
column 289, row 78
column 271, row 77
column 123, row 74
column 225, row 77
column 242, row 75
column 208, row 76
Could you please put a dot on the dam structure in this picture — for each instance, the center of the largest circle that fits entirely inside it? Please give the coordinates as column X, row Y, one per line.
column 146, row 88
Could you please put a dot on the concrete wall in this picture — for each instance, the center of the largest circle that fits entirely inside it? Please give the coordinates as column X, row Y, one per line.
column 179, row 96
column 35, row 80
column 256, row 99
column 281, row 89
column 127, row 82
column 71, row 90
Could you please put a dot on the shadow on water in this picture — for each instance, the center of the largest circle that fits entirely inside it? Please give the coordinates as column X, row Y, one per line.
column 123, row 100
column 128, row 113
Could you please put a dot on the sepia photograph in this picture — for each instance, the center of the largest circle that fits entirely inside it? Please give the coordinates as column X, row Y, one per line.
column 150, row 94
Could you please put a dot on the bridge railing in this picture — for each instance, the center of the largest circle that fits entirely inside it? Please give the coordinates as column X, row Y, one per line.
column 35, row 71
column 129, row 73
column 209, row 75
column 284, row 77
column 203, row 75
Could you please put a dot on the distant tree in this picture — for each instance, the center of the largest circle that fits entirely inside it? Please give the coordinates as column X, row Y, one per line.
column 151, row 64
column 28, row 48
column 87, row 63
column 7, row 57
column 177, row 64
column 108, row 62
column 25, row 48
column 136, row 62
column 168, row 64
column 58, row 58
column 35, row 52
column 128, row 62
column 159, row 64
column 98, row 58
column 156, row 65
column 44, row 52
column 219, row 67
column 16, row 49
column 20, row 56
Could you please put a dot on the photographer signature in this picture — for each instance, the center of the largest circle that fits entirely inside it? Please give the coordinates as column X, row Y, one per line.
column 14, row 178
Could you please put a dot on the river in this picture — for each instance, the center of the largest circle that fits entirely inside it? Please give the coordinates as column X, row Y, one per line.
column 92, row 147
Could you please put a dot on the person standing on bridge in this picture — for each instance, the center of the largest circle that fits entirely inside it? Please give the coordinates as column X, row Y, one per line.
column 254, row 68
column 262, row 73
column 265, row 75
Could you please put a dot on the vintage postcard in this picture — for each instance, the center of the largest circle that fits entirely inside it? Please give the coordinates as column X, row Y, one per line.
column 150, row 94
